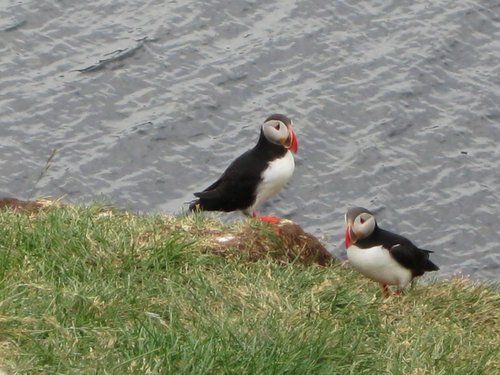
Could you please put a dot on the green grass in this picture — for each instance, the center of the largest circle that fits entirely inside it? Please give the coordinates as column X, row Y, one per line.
column 89, row 290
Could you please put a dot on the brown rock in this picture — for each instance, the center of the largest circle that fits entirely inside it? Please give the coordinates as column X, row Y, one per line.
column 20, row 206
column 285, row 241
column 28, row 207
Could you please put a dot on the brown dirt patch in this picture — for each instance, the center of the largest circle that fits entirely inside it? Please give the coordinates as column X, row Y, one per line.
column 29, row 207
column 285, row 241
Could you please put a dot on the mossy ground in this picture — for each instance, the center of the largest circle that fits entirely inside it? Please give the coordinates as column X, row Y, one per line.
column 92, row 290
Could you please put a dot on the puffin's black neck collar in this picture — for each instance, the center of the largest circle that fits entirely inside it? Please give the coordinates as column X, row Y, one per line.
column 269, row 149
column 370, row 241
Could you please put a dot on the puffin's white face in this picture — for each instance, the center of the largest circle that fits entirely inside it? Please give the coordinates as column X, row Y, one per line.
column 363, row 225
column 279, row 133
column 360, row 223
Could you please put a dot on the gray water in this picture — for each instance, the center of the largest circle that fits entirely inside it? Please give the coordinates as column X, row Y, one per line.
column 396, row 105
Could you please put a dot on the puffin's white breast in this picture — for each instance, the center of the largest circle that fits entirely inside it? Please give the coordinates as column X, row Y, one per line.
column 277, row 174
column 377, row 264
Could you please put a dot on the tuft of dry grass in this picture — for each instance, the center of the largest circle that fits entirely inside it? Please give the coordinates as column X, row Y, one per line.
column 285, row 241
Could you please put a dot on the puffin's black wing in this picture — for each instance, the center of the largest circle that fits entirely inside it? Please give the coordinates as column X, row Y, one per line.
column 413, row 258
column 236, row 188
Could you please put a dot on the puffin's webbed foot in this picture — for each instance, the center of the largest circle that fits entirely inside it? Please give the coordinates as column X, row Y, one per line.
column 266, row 219
column 385, row 290
column 270, row 219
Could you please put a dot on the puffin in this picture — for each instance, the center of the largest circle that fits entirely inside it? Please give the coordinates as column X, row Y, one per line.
column 256, row 175
column 383, row 256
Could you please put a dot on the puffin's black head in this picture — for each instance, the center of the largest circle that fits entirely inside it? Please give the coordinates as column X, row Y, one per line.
column 360, row 223
column 278, row 129
column 278, row 117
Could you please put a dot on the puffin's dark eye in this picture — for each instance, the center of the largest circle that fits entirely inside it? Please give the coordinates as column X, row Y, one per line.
column 362, row 220
column 277, row 127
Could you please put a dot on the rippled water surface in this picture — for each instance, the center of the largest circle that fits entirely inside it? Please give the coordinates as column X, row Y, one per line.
column 396, row 105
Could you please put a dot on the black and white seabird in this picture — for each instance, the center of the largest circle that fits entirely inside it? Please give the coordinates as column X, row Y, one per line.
column 380, row 255
column 256, row 175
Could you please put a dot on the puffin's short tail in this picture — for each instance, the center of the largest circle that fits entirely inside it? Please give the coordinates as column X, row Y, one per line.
column 429, row 266
column 427, row 263
column 195, row 205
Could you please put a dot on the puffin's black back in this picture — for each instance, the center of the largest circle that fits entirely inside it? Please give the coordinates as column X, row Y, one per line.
column 237, row 187
column 402, row 250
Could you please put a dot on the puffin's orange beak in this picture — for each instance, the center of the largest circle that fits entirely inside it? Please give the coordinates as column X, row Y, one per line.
column 294, row 143
column 349, row 236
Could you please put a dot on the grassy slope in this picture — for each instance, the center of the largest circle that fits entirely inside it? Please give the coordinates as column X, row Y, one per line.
column 85, row 290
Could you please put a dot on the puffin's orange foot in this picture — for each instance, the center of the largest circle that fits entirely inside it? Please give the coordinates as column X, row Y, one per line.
column 269, row 219
column 385, row 290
